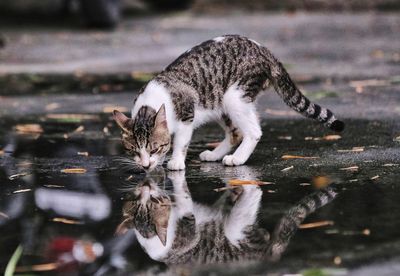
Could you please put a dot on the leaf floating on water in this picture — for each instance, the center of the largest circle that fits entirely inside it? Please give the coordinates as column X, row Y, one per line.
column 285, row 138
column 321, row 182
column 29, row 128
column 316, row 224
column 286, row 157
column 66, row 221
column 397, row 139
column 366, row 232
column 83, row 153
column 390, row 165
column 4, row 215
column 22, row 191
column 213, row 144
column 331, row 137
column 37, row 268
column 352, row 169
column 287, row 169
column 247, row 182
column 305, row 184
column 79, row 129
column 354, row 149
column 74, row 170
column 18, row 175
column 374, row 177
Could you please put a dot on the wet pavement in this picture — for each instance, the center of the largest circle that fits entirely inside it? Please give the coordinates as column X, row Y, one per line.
column 53, row 212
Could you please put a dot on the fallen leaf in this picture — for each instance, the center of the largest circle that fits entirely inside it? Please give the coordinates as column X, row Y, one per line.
column 287, row 169
column 4, row 215
column 397, row 139
column 29, row 128
column 22, row 191
column 1, row 152
column 109, row 109
column 285, row 137
column 83, row 153
column 79, row 129
column 316, row 224
column 352, row 169
column 305, row 184
column 353, row 180
column 374, row 177
column 390, row 165
column 331, row 137
column 213, row 144
column 286, row 157
column 247, row 182
column 106, row 130
column 66, row 221
column 54, row 186
column 354, row 149
column 320, row 182
column 74, row 170
column 52, row 106
column 18, row 175
column 37, row 268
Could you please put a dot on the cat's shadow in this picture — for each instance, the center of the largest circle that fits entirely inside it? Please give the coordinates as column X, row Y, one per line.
column 174, row 229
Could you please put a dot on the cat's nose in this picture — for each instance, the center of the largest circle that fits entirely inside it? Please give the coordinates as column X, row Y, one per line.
column 146, row 167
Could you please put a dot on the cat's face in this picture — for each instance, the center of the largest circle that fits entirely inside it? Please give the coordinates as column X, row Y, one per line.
column 147, row 211
column 146, row 137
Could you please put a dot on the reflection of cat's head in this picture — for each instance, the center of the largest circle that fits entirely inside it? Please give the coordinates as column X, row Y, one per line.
column 147, row 210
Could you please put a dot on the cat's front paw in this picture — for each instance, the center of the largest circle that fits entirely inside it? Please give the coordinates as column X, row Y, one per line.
column 176, row 164
column 209, row 156
column 232, row 160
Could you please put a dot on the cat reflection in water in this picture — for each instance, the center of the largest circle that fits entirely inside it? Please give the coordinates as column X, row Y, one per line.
column 173, row 229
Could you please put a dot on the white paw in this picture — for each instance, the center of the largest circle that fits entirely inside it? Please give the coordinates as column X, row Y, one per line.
column 231, row 160
column 176, row 164
column 208, row 155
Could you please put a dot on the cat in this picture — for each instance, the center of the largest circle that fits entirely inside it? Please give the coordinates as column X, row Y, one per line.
column 217, row 80
column 176, row 230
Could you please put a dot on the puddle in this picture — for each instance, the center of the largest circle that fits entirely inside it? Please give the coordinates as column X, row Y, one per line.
column 64, row 196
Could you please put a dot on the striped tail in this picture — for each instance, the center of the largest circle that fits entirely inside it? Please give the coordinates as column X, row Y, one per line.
column 292, row 96
column 290, row 222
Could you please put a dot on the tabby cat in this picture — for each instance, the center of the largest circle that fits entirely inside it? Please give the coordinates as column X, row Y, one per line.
column 176, row 230
column 217, row 80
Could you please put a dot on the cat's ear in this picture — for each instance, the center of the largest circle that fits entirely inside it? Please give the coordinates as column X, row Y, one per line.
column 123, row 121
column 161, row 118
column 160, row 221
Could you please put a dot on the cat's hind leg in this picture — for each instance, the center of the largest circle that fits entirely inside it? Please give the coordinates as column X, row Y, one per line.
column 244, row 116
column 232, row 138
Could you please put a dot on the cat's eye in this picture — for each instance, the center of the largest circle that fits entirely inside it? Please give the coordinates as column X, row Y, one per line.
column 153, row 151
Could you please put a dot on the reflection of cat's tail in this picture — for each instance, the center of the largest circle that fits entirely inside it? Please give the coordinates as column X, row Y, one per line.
column 288, row 225
column 292, row 96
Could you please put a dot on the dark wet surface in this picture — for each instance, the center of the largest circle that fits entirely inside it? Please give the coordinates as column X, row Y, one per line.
column 47, row 210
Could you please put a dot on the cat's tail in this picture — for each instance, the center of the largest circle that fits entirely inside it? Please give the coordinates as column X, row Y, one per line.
column 292, row 96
